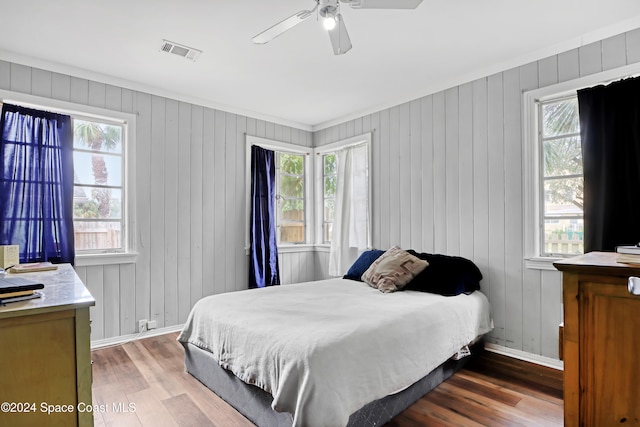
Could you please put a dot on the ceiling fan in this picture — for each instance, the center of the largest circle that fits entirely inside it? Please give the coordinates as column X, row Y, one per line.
column 329, row 10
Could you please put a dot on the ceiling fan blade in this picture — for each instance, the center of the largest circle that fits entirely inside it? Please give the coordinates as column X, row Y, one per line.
column 273, row 32
column 339, row 37
column 383, row 4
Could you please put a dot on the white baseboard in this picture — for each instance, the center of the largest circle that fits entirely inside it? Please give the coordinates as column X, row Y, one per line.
column 527, row 357
column 122, row 339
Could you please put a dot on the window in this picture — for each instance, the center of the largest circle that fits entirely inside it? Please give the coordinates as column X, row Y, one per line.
column 326, row 167
column 562, row 181
column 290, row 197
column 305, row 190
column 552, row 168
column 103, row 202
column 98, row 197
column 293, row 191
column 329, row 186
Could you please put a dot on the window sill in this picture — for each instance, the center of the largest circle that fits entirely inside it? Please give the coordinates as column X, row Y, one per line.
column 541, row 263
column 302, row 247
column 86, row 260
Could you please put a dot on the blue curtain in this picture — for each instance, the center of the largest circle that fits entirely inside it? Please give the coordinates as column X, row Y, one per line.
column 36, row 183
column 263, row 269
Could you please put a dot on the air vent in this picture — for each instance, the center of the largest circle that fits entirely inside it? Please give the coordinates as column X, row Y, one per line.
column 180, row 50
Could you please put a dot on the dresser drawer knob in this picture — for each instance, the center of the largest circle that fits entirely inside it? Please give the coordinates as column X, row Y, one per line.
column 634, row 285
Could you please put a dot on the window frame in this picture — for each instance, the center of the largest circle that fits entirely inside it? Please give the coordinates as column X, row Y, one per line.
column 541, row 173
column 532, row 158
column 122, row 187
column 281, row 198
column 333, row 147
column 321, row 199
column 127, row 253
column 281, row 147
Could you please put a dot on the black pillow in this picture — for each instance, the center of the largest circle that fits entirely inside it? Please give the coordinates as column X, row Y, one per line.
column 361, row 265
column 445, row 275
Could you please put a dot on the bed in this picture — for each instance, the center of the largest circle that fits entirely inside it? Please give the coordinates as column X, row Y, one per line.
column 333, row 352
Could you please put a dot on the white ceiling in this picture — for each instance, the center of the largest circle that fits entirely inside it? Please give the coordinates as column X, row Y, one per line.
column 397, row 55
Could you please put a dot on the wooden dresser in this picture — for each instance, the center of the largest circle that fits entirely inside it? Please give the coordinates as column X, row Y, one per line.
column 601, row 341
column 45, row 359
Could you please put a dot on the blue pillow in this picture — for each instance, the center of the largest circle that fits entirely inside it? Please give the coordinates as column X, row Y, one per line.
column 361, row 265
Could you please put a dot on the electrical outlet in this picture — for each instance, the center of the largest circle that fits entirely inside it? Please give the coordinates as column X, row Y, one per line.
column 142, row 325
column 151, row 324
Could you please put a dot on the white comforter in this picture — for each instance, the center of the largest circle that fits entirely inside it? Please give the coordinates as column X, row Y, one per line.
column 324, row 349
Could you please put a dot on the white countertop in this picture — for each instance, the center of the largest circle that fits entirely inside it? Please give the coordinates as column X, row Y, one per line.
column 63, row 290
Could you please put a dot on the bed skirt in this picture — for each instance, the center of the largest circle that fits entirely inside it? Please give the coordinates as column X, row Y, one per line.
column 255, row 403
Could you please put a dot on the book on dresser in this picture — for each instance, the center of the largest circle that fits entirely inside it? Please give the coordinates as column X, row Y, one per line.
column 624, row 258
column 32, row 267
column 633, row 249
column 14, row 289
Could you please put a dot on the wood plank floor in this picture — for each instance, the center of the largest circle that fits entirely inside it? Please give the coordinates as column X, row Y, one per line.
column 143, row 383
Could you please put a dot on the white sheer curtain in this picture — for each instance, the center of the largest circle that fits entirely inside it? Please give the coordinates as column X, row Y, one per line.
column 351, row 232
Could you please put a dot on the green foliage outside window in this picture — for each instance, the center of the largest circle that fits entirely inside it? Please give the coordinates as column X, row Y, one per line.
column 330, row 183
column 291, row 181
column 563, row 153
column 563, row 183
column 98, row 138
column 290, row 197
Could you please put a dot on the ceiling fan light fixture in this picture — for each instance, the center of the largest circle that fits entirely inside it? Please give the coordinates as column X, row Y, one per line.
column 329, row 23
column 329, row 9
column 333, row 22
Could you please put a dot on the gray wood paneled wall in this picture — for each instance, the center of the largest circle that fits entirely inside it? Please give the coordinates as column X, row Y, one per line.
column 190, row 197
column 447, row 178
